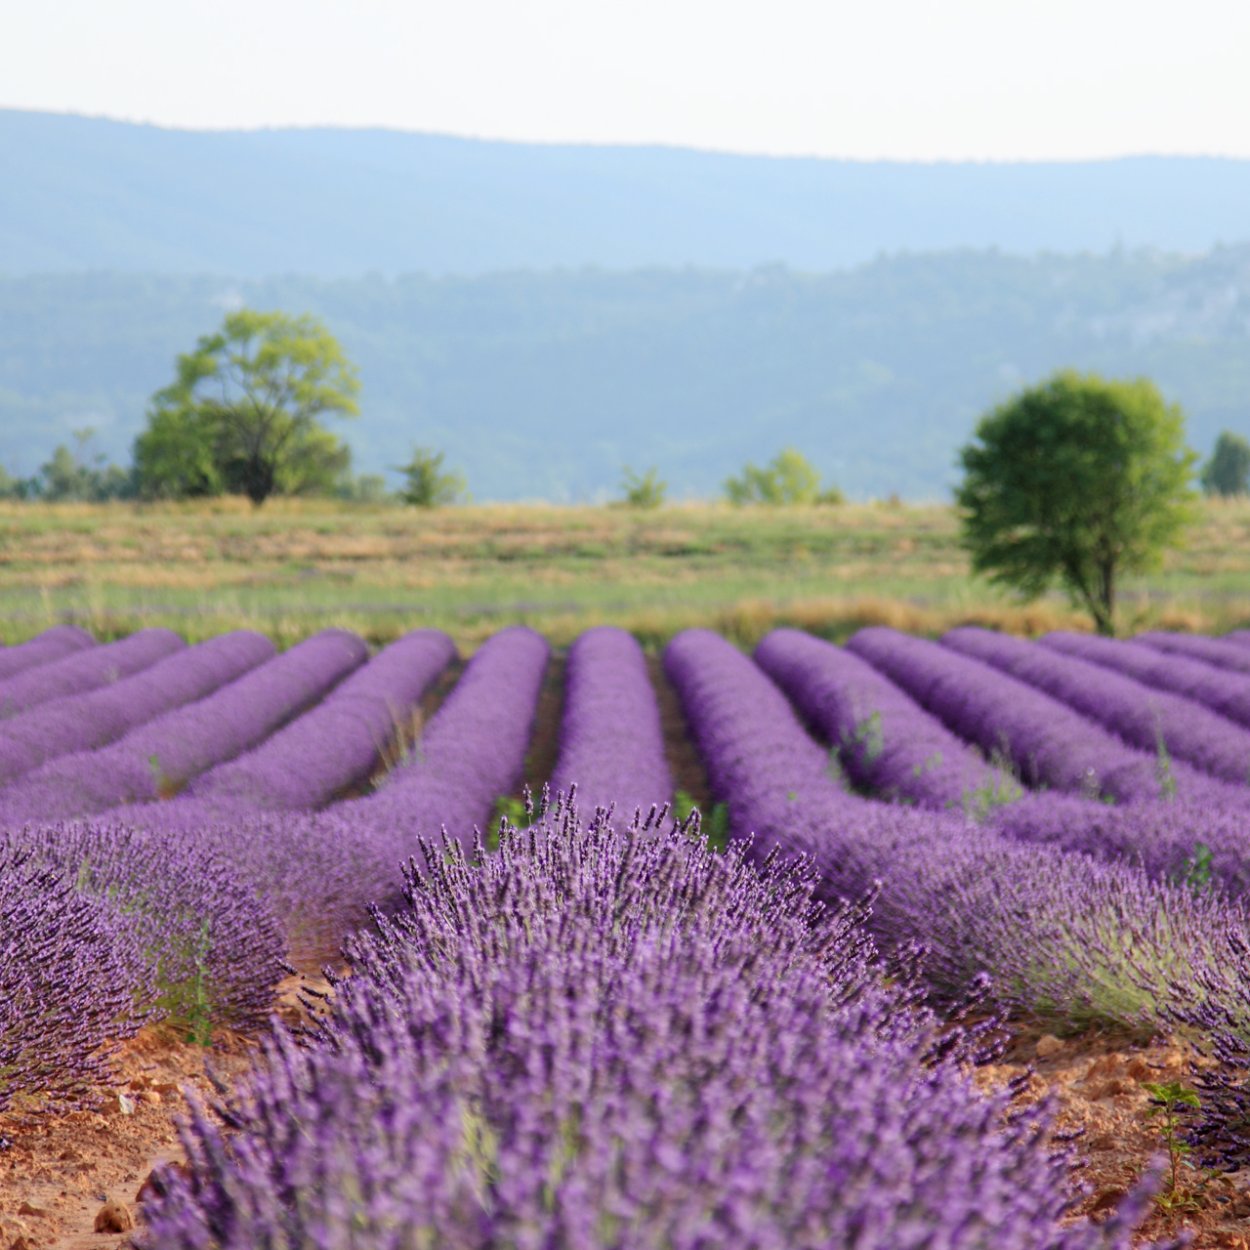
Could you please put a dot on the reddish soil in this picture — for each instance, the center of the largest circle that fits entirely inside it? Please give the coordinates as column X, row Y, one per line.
column 58, row 1174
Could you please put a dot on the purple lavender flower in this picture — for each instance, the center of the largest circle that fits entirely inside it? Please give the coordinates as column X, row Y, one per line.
column 1064, row 939
column 77, row 722
column 883, row 739
column 1221, row 690
column 71, row 985
column 609, row 1039
column 611, row 743
column 333, row 746
column 212, row 947
column 1048, row 743
column 1149, row 719
column 1215, row 651
column 85, row 670
column 52, row 644
column 156, row 759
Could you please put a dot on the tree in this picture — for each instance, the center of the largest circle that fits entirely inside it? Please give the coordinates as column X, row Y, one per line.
column 426, row 485
column 1228, row 471
column 645, row 490
column 788, row 478
column 1078, row 479
column 243, row 414
column 79, row 475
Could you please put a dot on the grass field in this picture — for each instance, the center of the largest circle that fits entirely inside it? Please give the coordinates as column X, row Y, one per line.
column 296, row 566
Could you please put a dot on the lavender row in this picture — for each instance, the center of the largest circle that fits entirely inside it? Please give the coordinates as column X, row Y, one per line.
column 329, row 748
column 85, row 670
column 1222, row 691
column 598, row 1039
column 80, row 722
column 886, row 743
column 611, row 741
column 1194, row 647
column 52, row 644
column 157, row 759
column 320, row 871
column 1048, row 743
column 1049, row 928
column 1149, row 719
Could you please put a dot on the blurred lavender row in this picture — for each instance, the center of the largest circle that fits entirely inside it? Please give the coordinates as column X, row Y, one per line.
column 156, row 759
column 1151, row 720
column 86, row 669
column 1046, row 742
column 1222, row 691
column 333, row 746
column 886, row 743
column 611, row 741
column 320, row 871
column 52, row 644
column 603, row 1040
column 1217, row 651
column 80, row 722
column 1063, row 938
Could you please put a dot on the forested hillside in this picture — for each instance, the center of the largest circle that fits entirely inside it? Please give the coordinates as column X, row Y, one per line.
column 545, row 384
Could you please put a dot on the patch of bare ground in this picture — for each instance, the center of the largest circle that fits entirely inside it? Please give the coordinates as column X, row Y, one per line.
column 684, row 762
column 72, row 1181
column 1098, row 1082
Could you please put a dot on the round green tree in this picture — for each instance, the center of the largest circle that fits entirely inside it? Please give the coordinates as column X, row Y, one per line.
column 244, row 413
column 1077, row 480
column 1227, row 473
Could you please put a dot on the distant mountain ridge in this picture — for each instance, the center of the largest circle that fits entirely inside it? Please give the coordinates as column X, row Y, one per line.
column 86, row 194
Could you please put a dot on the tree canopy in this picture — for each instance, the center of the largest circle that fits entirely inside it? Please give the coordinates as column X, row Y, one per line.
column 1228, row 471
column 243, row 414
column 1079, row 480
column 788, row 478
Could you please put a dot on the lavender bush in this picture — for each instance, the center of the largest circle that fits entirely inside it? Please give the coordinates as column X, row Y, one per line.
column 1048, row 743
column 337, row 743
column 1149, row 719
column 598, row 1039
column 1065, row 940
column 212, row 948
column 611, row 743
column 79, row 722
column 1219, row 689
column 70, row 987
column 1214, row 651
column 52, row 644
column 86, row 669
column 882, row 738
column 156, row 759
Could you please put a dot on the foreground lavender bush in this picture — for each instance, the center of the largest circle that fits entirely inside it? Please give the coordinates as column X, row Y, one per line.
column 1048, row 743
column 70, row 987
column 52, row 644
column 1149, row 719
column 1214, row 651
column 883, row 739
column 611, row 742
column 80, row 722
column 597, row 1039
column 338, row 742
column 1219, row 689
column 212, row 948
column 159, row 757
column 1065, row 940
column 85, row 670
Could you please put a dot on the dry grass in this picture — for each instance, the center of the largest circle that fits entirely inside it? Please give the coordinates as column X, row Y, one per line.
column 297, row 566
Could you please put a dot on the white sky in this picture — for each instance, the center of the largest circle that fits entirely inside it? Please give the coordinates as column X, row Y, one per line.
column 904, row 79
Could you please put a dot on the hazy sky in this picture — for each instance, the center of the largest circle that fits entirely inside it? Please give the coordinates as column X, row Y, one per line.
column 927, row 79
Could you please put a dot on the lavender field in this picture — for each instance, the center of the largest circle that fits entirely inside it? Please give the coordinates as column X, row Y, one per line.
column 729, row 984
